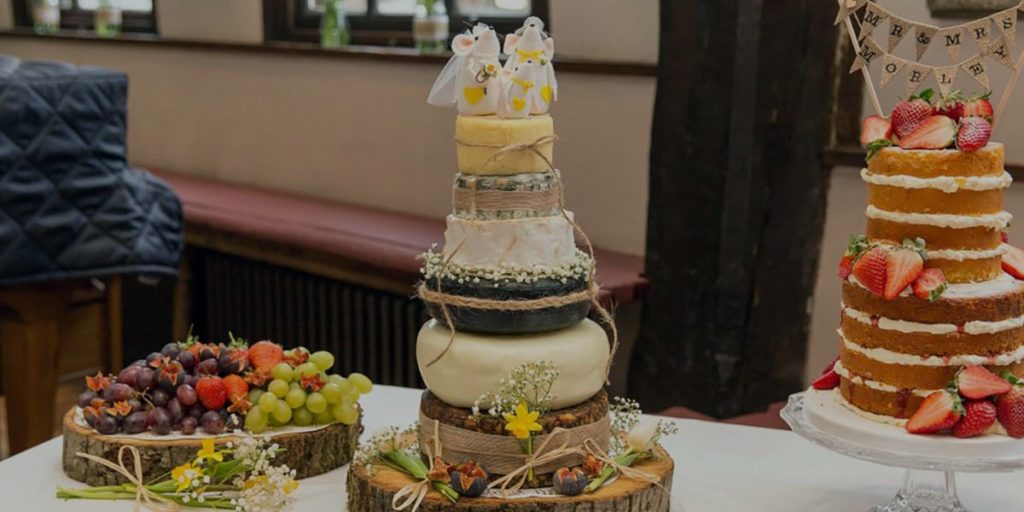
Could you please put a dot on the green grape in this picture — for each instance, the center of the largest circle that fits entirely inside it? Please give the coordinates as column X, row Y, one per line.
column 323, row 359
column 305, row 370
column 283, row 371
column 345, row 384
column 361, row 382
column 334, row 377
column 254, row 395
column 283, row 413
column 295, row 398
column 352, row 395
column 278, row 387
column 332, row 392
column 256, row 420
column 268, row 402
column 345, row 413
column 302, row 417
column 323, row 417
column 316, row 403
column 294, row 385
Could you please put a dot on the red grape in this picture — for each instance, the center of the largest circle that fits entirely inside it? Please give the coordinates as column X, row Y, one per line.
column 187, row 360
column 106, row 424
column 187, row 395
column 129, row 376
column 161, row 421
column 176, row 410
column 196, row 411
column 145, row 379
column 171, row 350
column 118, row 392
column 188, row 425
column 208, row 367
column 213, row 422
column 159, row 397
column 135, row 423
column 86, row 398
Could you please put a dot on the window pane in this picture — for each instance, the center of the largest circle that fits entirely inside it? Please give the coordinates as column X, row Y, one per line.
column 350, row 6
column 494, row 8
column 396, row 7
column 128, row 5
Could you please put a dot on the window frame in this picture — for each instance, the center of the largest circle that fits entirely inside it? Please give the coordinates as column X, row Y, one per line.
column 286, row 20
column 76, row 18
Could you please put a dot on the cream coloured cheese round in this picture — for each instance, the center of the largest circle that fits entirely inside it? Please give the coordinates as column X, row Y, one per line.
column 475, row 364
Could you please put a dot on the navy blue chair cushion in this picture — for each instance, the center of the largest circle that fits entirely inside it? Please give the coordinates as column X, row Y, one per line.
column 70, row 205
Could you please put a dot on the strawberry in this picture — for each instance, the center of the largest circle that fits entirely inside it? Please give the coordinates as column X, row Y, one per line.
column 1010, row 411
column 831, row 366
column 264, row 355
column 845, row 267
column 870, row 270
column 212, row 392
column 976, row 382
column 1013, row 261
column 858, row 244
column 1004, row 236
column 237, row 387
column 830, row 380
column 930, row 284
column 952, row 106
column 935, row 132
column 902, row 267
column 979, row 106
column 979, row 416
column 974, row 134
column 940, row 411
column 875, row 128
column 909, row 114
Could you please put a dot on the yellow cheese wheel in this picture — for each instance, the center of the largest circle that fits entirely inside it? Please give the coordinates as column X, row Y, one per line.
column 479, row 138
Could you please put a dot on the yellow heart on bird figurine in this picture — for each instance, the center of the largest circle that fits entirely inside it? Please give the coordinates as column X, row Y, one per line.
column 546, row 93
column 518, row 103
column 473, row 95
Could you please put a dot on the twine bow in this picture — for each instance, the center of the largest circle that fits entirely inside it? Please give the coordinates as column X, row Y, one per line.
column 516, row 479
column 143, row 496
column 411, row 496
column 591, row 448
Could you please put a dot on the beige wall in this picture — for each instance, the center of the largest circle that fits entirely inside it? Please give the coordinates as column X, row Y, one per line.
column 360, row 131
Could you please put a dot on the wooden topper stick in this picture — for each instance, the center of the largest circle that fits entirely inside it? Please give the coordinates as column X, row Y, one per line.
column 867, row 74
column 1005, row 99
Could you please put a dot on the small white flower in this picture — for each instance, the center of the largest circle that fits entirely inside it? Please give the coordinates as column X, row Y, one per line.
column 642, row 437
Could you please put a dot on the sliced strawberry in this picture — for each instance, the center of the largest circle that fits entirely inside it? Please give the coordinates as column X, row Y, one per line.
column 831, row 366
column 875, row 128
column 976, row 382
column 952, row 106
column 979, row 416
column 940, row 411
column 1013, row 261
column 974, row 134
column 979, row 107
column 826, row 382
column 930, row 284
column 903, row 267
column 870, row 270
column 845, row 267
column 1010, row 409
column 857, row 245
column 909, row 114
column 936, row 132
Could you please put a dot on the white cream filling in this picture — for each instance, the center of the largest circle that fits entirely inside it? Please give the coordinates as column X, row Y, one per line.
column 948, row 184
column 874, row 384
column 904, row 326
column 889, row 357
column 1001, row 285
column 966, row 254
column 943, row 220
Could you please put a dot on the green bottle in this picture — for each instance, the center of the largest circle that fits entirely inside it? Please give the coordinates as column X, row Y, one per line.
column 107, row 18
column 334, row 26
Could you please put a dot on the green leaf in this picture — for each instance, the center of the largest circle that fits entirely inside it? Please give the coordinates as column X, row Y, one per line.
column 857, row 245
column 875, row 146
column 926, row 95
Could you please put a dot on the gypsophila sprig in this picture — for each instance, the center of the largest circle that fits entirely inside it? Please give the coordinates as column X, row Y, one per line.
column 529, row 383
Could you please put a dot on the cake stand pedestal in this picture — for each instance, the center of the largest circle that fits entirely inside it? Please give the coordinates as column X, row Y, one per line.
column 931, row 462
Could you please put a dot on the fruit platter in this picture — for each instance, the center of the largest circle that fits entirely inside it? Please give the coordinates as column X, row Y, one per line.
column 166, row 405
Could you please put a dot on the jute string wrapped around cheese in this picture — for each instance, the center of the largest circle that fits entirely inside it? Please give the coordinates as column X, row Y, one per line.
column 474, row 201
column 444, row 300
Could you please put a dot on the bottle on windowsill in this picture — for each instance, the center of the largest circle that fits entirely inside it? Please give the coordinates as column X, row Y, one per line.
column 334, row 26
column 107, row 18
column 430, row 26
column 45, row 16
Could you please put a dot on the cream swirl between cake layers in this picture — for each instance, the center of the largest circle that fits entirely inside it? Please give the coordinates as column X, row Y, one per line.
column 904, row 326
column 877, row 385
column 1001, row 285
column 889, row 357
column 942, row 220
column 948, row 184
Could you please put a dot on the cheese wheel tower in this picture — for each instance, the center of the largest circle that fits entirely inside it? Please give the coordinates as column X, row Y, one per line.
column 894, row 353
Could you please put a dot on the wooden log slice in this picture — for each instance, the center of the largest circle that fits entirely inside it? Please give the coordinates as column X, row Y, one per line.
column 308, row 453
column 374, row 493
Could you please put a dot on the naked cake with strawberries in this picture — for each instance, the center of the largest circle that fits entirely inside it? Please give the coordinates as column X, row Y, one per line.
column 932, row 326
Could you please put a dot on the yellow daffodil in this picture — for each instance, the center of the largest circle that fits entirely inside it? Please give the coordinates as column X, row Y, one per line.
column 523, row 422
column 291, row 486
column 209, row 452
column 255, row 481
column 184, row 474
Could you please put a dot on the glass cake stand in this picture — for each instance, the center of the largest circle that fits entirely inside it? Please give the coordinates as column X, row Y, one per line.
column 930, row 481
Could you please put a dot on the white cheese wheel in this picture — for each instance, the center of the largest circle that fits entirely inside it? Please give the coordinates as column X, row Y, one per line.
column 478, row 138
column 475, row 364
column 537, row 242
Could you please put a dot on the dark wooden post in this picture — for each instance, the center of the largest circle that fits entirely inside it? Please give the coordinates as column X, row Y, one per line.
column 737, row 201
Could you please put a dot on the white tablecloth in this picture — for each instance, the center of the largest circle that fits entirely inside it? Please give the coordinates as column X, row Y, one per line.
column 720, row 468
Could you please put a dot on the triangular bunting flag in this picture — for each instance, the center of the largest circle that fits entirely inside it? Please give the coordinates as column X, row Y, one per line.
column 999, row 51
column 952, row 39
column 898, row 29
column 975, row 68
column 847, row 7
column 916, row 76
column 945, row 76
column 980, row 31
column 923, row 35
column 1006, row 21
column 869, row 51
column 874, row 15
column 891, row 66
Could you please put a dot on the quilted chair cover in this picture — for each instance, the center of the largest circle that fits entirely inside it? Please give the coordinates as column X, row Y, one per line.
column 70, row 205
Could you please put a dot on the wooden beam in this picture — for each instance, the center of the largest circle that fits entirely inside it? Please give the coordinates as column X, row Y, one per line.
column 737, row 201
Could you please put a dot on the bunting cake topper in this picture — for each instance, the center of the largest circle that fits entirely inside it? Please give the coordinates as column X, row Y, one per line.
column 879, row 32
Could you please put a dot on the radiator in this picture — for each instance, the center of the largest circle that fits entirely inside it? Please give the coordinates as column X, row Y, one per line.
column 367, row 330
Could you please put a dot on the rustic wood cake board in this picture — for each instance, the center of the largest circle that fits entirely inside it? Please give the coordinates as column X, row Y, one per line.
column 309, row 453
column 374, row 494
